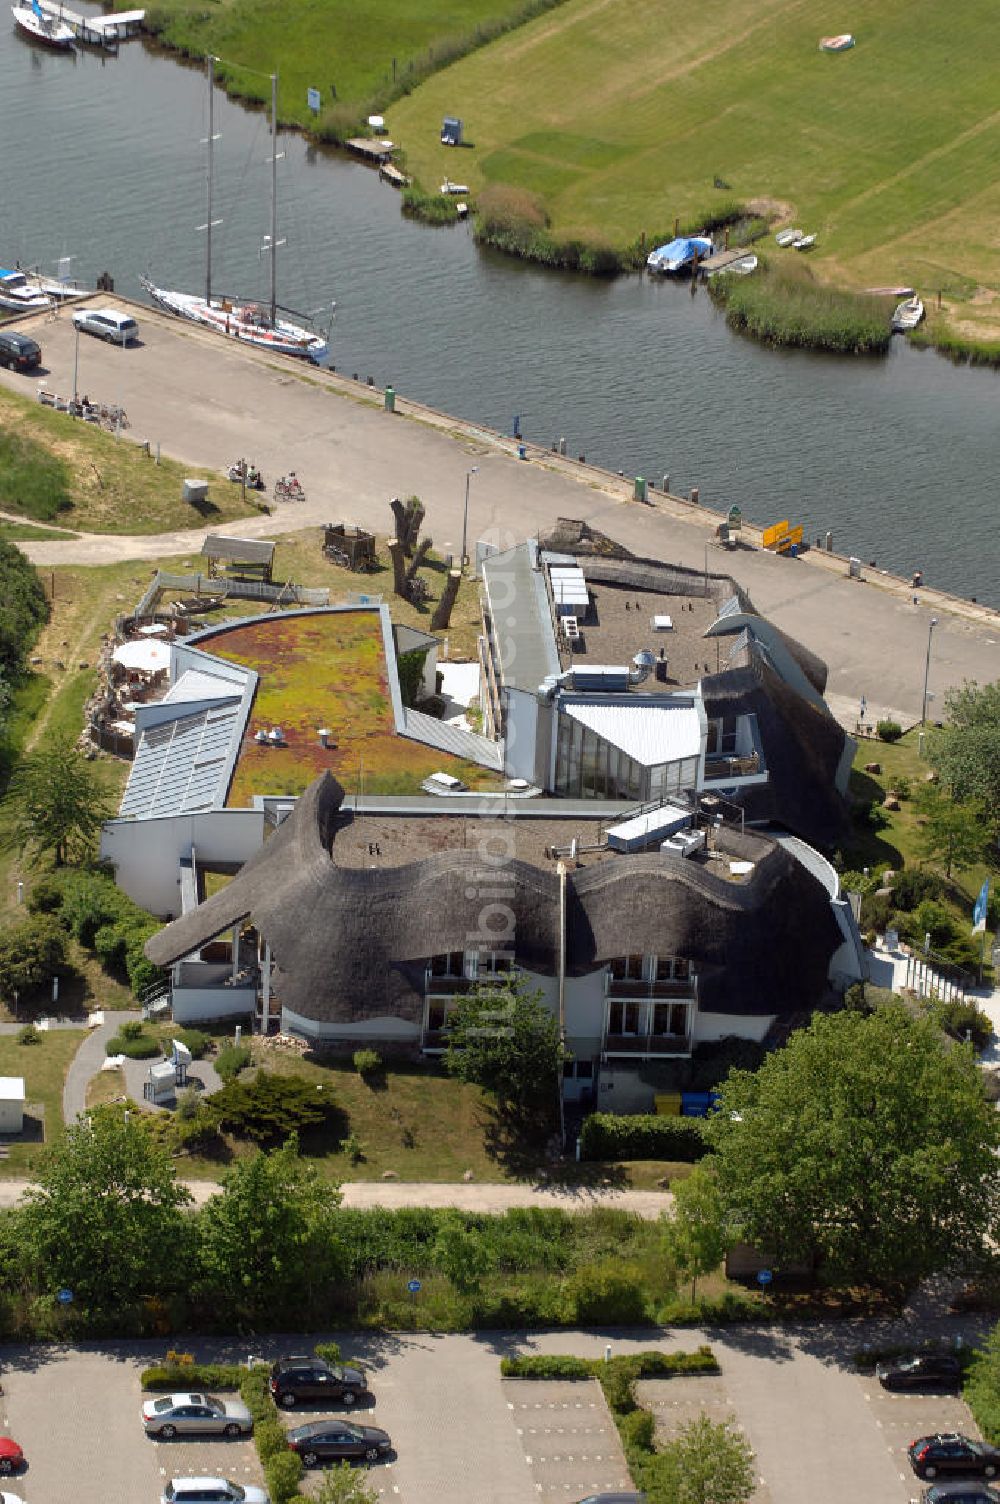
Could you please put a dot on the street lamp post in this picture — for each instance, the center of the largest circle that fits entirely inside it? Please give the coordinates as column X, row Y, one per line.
column 76, row 362
column 465, row 515
column 927, row 669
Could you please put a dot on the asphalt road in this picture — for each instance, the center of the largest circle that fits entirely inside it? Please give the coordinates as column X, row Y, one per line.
column 206, row 401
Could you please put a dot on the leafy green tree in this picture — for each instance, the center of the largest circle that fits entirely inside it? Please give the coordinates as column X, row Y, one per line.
column 709, row 1462
column 31, row 954
column 505, row 1040
column 266, row 1240
column 695, row 1228
column 460, row 1252
column 345, row 1484
column 966, row 750
column 950, row 833
column 58, row 802
column 23, row 607
column 106, row 1218
column 866, row 1142
column 268, row 1107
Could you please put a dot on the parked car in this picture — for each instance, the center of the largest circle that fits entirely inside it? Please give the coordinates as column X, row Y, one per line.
column 950, row 1453
column 6, row 1498
column 18, row 352
column 960, row 1493
column 330, row 1440
column 11, row 1456
column 614, row 1499
column 211, row 1491
column 195, row 1415
column 295, row 1379
column 107, row 323
column 920, row 1371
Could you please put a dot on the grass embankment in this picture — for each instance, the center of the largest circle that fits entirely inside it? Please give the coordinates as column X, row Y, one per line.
column 359, row 59
column 618, row 128
column 57, row 469
column 788, row 307
column 43, row 1065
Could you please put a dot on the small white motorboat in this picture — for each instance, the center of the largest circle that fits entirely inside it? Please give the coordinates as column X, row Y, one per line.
column 804, row 243
column 907, row 315
column 449, row 187
column 741, row 267
column 788, row 237
column 842, row 43
column 49, row 30
column 679, row 255
column 890, row 292
column 17, row 294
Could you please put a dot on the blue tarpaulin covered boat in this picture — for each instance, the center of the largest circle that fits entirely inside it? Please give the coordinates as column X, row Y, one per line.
column 678, row 255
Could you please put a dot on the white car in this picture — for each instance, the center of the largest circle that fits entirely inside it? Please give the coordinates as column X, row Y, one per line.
column 6, row 1498
column 209, row 1491
column 107, row 323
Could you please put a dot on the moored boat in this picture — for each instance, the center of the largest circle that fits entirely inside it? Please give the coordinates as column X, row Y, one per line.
column 890, row 292
column 907, row 315
column 49, row 30
column 680, row 254
column 788, row 237
column 252, row 322
column 741, row 267
column 842, row 43
column 16, row 293
column 804, row 243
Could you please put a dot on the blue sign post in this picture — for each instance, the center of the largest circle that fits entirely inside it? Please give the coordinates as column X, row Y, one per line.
column 414, row 1286
column 764, row 1278
column 64, row 1297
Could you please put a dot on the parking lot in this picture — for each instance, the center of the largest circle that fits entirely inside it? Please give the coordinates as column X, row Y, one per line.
column 462, row 1433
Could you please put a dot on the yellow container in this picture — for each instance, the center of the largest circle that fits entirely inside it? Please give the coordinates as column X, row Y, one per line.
column 668, row 1104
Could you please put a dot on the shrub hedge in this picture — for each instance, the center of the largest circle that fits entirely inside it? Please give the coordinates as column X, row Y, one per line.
column 607, row 1136
column 173, row 1377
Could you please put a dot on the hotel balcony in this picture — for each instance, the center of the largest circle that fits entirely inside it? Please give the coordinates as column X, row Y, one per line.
column 626, row 987
column 646, row 1046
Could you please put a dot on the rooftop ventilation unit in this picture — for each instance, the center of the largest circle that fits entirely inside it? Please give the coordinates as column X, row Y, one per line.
column 684, row 842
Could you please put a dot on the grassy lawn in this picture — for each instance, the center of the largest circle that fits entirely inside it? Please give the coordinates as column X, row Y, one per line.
column 348, row 52
column 27, row 532
column 620, row 123
column 110, row 485
column 43, row 1067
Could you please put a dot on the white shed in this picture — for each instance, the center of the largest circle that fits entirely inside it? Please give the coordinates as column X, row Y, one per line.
column 11, row 1104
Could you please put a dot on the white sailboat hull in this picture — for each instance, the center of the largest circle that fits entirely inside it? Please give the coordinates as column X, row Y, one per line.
column 45, row 29
column 247, row 322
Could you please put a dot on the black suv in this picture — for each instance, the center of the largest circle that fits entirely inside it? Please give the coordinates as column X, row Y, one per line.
column 295, row 1379
column 18, row 352
column 950, row 1453
column 921, row 1371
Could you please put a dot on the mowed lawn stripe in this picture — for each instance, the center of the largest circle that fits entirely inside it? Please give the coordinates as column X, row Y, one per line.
column 868, row 147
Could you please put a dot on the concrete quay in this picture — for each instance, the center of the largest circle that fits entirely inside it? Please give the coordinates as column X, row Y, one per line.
column 205, row 401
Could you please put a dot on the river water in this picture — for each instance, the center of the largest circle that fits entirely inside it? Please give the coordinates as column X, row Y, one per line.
column 105, row 160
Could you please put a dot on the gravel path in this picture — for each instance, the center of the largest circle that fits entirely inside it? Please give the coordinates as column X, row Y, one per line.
column 87, row 1062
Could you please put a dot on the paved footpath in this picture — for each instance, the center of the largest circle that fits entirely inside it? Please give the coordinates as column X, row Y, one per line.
column 207, row 401
column 468, row 1198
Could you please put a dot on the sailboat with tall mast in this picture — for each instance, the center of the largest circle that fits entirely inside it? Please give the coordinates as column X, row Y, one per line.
column 252, row 323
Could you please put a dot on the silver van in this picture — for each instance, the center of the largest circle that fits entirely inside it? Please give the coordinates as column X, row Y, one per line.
column 107, row 323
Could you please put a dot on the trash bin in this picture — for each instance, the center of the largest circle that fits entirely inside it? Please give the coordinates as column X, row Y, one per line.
column 793, row 551
column 641, row 492
column 522, row 451
column 390, row 399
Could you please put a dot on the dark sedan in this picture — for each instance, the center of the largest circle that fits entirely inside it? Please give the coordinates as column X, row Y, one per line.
column 331, row 1440
column 921, row 1371
column 960, row 1493
column 931, row 1456
column 295, row 1379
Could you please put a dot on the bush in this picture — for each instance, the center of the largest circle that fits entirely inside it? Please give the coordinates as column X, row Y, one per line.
column 911, row 886
column 786, row 307
column 31, row 954
column 547, row 1366
column 173, row 1377
column 637, row 1430
column 283, row 1474
column 270, row 1438
column 131, row 1028
column 29, row 1035
column 606, row 1136
column 329, row 1352
column 961, row 1019
column 145, row 1047
column 888, row 731
column 367, row 1063
column 269, row 1107
column 232, row 1059
column 608, row 1292
column 45, row 896
column 196, row 1040
column 714, row 1059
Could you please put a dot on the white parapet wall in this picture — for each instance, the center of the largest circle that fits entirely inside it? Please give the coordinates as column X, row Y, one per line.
column 146, row 854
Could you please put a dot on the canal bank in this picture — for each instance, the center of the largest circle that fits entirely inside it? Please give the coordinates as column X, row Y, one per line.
column 206, row 401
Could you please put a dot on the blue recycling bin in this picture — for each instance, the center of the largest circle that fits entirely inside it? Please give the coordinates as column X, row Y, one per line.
column 522, row 451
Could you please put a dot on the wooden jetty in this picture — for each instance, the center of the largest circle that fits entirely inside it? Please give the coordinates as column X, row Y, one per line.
column 99, row 31
column 391, row 174
column 372, row 151
column 721, row 260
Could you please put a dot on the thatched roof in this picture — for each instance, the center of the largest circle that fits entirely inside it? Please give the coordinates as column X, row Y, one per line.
column 349, row 943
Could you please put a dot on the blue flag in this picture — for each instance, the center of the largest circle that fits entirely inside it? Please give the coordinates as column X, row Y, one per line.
column 979, row 909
